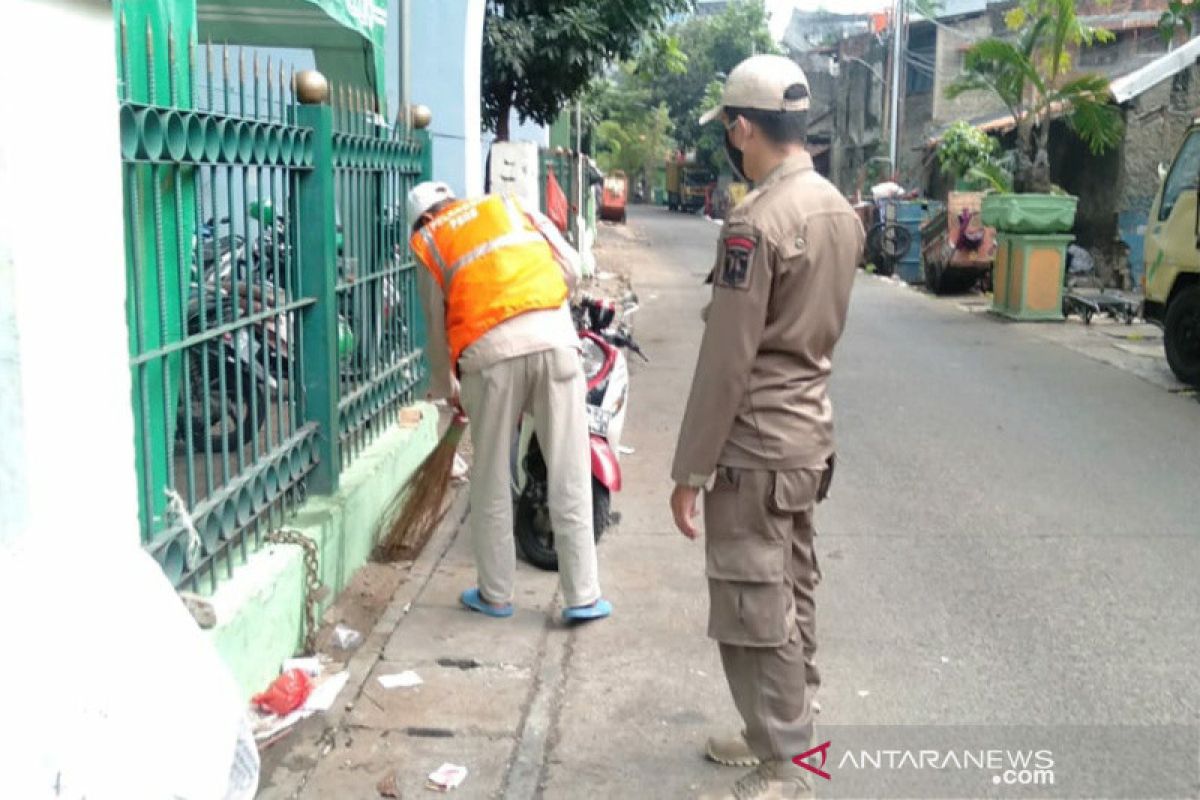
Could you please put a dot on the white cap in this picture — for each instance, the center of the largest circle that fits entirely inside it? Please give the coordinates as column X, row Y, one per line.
column 425, row 196
column 769, row 83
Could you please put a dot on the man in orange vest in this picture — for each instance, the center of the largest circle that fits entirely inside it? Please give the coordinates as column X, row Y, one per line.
column 501, row 343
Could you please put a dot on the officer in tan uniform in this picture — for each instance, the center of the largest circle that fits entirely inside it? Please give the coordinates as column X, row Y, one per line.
column 757, row 436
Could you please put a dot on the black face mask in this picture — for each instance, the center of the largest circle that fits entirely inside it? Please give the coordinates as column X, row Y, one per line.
column 735, row 158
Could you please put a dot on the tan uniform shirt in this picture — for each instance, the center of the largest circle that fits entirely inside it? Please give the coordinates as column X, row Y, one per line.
column 531, row 332
column 781, row 289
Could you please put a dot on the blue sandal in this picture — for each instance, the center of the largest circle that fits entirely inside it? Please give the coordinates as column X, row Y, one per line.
column 597, row 610
column 474, row 601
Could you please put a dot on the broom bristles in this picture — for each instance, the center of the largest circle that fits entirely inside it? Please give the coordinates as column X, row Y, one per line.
column 420, row 505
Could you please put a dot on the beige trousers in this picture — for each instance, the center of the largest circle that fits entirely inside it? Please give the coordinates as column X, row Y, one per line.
column 550, row 386
column 762, row 573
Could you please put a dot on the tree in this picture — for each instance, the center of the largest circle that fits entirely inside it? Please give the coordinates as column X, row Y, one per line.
column 635, row 147
column 538, row 55
column 630, row 134
column 1180, row 14
column 713, row 47
column 1031, row 75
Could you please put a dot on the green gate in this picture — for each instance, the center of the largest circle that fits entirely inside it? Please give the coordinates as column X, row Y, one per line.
column 273, row 323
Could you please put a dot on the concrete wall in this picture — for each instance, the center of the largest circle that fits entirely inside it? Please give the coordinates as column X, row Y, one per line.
column 857, row 98
column 66, row 425
column 1155, row 124
column 952, row 45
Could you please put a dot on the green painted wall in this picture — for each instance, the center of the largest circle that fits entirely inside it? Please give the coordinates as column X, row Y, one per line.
column 260, row 611
column 560, row 131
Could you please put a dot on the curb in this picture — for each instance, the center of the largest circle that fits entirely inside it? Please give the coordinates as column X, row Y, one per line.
column 371, row 651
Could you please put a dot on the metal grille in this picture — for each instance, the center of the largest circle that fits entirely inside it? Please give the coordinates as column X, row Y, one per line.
column 379, row 328
column 228, row 198
column 213, row 300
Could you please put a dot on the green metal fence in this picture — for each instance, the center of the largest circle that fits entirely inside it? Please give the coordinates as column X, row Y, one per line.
column 380, row 364
column 268, row 343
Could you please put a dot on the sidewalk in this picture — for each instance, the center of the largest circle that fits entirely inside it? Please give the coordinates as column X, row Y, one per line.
column 478, row 676
column 616, row 708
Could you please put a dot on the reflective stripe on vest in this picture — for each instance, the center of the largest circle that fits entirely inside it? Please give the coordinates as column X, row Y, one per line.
column 507, row 240
column 492, row 265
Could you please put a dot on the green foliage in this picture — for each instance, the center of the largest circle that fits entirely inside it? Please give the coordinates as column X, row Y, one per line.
column 710, row 146
column 964, row 147
column 1179, row 14
column 713, row 46
column 538, row 55
column 636, row 145
column 1028, row 74
column 993, row 175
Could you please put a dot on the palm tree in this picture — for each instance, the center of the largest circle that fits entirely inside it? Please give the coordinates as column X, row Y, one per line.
column 1030, row 74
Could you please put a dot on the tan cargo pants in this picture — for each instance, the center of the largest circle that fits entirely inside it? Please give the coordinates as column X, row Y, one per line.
column 551, row 387
column 762, row 571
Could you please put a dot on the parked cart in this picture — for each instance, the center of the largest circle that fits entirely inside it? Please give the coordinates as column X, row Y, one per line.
column 613, row 197
column 957, row 249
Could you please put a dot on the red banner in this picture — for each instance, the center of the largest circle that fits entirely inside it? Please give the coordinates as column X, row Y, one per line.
column 556, row 202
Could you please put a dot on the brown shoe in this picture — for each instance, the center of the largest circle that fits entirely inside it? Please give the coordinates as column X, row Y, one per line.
column 771, row 780
column 731, row 751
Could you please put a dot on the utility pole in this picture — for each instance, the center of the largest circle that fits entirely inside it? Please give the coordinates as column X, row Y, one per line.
column 897, row 60
column 579, row 221
column 406, row 65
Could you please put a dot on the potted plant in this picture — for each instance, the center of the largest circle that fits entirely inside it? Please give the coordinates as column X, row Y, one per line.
column 1031, row 73
column 964, row 152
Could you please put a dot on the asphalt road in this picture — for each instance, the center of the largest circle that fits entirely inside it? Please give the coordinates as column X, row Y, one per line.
column 1013, row 539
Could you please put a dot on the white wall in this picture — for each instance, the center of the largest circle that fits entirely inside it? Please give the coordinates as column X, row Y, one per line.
column 66, row 424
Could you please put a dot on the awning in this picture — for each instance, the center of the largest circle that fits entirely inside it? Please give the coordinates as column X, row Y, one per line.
column 348, row 37
column 1129, row 86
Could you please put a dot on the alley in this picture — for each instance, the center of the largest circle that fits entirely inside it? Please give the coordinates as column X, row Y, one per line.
column 1012, row 539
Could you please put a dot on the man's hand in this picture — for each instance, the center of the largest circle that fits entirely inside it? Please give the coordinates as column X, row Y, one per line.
column 685, row 507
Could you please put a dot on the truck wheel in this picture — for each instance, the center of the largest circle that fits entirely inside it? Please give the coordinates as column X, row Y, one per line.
column 1181, row 335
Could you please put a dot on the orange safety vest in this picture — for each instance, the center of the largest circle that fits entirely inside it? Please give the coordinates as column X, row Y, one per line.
column 492, row 265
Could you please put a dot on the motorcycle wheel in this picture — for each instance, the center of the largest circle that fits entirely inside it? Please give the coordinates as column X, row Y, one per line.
column 531, row 523
column 220, row 426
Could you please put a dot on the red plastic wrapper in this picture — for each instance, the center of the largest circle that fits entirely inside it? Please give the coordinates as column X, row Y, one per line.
column 286, row 693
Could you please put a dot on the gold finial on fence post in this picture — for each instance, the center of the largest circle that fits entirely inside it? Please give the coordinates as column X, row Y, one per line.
column 311, row 87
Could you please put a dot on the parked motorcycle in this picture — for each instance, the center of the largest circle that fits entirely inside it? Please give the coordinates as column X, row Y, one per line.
column 602, row 341
column 228, row 386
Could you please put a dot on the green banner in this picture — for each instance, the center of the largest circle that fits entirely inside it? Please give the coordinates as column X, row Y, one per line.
column 348, row 37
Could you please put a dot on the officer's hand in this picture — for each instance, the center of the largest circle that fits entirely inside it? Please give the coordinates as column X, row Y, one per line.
column 685, row 507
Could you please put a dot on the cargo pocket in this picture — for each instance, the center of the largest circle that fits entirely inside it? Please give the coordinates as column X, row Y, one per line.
column 795, row 491
column 747, row 555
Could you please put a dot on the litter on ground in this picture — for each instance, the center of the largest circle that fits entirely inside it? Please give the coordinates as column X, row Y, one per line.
column 447, row 777
column 400, row 680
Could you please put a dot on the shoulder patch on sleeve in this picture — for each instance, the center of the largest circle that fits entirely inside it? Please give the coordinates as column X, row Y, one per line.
column 736, row 259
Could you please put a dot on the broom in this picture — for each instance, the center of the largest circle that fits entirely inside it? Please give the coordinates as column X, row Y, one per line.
column 419, row 506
